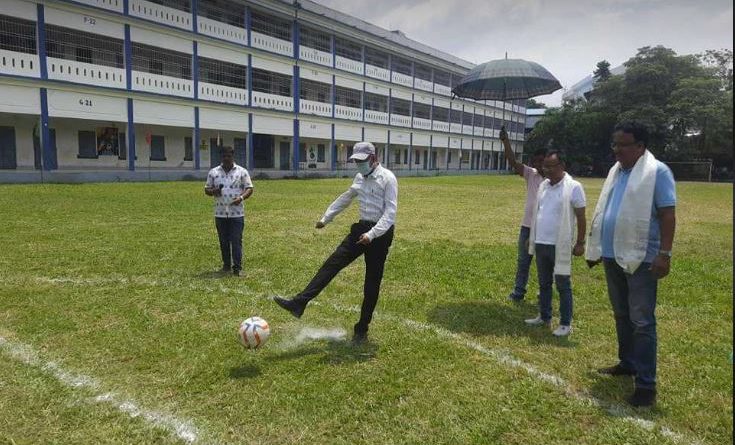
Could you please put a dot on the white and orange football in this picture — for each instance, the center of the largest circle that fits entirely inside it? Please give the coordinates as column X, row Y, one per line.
column 254, row 332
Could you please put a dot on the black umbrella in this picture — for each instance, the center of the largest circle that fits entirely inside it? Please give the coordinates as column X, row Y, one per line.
column 506, row 79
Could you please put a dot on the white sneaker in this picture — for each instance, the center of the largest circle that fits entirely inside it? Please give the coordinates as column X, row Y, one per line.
column 562, row 331
column 538, row 321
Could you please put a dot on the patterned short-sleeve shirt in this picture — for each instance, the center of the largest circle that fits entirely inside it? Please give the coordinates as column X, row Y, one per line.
column 232, row 183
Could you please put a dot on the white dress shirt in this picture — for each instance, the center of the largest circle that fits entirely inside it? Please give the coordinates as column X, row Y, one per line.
column 233, row 183
column 550, row 211
column 377, row 194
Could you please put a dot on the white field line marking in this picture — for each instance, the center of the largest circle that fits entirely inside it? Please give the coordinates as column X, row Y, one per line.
column 504, row 358
column 182, row 429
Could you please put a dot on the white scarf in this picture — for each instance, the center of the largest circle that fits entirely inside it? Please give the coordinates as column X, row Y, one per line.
column 563, row 253
column 633, row 220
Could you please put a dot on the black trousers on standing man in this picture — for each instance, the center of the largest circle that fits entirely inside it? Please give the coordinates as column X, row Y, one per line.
column 348, row 251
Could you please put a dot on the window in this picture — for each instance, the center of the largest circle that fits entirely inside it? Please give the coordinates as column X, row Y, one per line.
column 449, row 157
column 478, row 123
column 270, row 25
column 223, row 73
column 417, row 157
column 348, row 97
column 488, row 122
column 376, row 58
column 321, row 153
column 17, row 35
column 70, row 44
column 154, row 60
column 302, row 152
column 455, row 116
column 123, row 152
column 401, row 65
column 422, row 111
column 497, row 123
column 316, row 39
column 376, row 102
column 188, row 149
column 347, row 49
column 441, row 114
column 467, row 118
column 182, row 5
column 442, row 78
column 223, row 11
column 87, row 145
column 400, row 106
column 397, row 157
column 455, row 78
column 405, row 156
column 422, row 72
column 271, row 83
column 158, row 148
column 315, row 91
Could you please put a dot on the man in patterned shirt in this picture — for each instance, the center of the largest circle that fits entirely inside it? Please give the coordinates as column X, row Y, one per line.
column 230, row 185
column 376, row 188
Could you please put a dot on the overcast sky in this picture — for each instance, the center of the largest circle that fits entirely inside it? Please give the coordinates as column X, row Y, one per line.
column 568, row 37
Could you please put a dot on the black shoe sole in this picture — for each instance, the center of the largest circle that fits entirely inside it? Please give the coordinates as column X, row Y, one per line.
column 283, row 303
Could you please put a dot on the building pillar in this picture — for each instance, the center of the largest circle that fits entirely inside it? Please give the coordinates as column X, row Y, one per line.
column 195, row 140
column 131, row 135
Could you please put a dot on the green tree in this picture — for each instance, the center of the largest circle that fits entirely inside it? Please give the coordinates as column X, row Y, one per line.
column 602, row 72
column 532, row 103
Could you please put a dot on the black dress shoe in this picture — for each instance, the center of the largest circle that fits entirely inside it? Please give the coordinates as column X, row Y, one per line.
column 236, row 272
column 642, row 397
column 296, row 309
column 360, row 335
column 616, row 370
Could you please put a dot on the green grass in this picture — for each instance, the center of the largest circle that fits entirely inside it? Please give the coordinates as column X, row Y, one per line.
column 114, row 281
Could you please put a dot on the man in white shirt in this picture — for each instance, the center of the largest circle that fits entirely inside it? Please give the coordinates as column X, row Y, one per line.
column 534, row 177
column 230, row 185
column 561, row 201
column 376, row 189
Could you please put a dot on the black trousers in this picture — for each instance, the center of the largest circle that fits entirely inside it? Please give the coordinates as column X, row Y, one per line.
column 229, row 231
column 348, row 251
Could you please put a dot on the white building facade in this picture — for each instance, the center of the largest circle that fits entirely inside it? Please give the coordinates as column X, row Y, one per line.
column 126, row 89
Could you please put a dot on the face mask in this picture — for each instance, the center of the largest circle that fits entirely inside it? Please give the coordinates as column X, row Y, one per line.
column 364, row 168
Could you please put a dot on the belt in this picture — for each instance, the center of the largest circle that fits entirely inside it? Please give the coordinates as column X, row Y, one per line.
column 367, row 223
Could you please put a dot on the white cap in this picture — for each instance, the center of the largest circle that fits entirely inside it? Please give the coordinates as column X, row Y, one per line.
column 361, row 151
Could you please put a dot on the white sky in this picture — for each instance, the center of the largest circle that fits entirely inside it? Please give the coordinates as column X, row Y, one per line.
column 568, row 37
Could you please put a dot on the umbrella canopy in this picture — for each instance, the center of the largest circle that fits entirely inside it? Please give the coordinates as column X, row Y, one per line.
column 506, row 79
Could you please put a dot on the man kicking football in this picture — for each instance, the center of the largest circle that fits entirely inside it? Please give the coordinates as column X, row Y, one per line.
column 376, row 189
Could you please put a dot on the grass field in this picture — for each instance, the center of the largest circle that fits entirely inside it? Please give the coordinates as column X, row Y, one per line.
column 114, row 282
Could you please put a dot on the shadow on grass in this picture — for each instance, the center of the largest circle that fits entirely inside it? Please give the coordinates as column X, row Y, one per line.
column 494, row 318
column 248, row 371
column 336, row 352
column 212, row 275
column 615, row 390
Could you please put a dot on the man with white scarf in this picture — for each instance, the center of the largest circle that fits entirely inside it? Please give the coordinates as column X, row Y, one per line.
column 632, row 235
column 560, row 202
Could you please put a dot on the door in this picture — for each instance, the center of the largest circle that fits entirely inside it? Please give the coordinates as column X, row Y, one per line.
column 241, row 151
column 215, row 157
column 426, row 160
column 285, row 156
column 8, row 158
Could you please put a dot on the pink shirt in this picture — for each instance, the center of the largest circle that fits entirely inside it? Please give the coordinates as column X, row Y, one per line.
column 533, row 181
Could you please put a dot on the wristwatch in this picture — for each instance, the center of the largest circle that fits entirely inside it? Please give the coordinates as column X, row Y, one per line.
column 666, row 253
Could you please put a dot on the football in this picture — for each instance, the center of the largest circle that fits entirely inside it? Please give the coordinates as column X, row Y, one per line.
column 254, row 332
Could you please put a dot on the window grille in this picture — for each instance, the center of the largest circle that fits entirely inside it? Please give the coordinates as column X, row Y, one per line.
column 315, row 91
column 17, row 35
column 223, row 11
column 348, row 49
column 154, row 60
column 441, row 78
column 182, row 5
column 401, row 65
column 223, row 73
column 467, row 118
column 270, row 25
column 422, row 111
column 348, row 97
column 316, row 39
column 455, row 116
column 400, row 106
column 376, row 102
column 441, row 114
column 479, row 118
column 70, row 44
column 271, row 83
column 376, row 58
column 422, row 72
